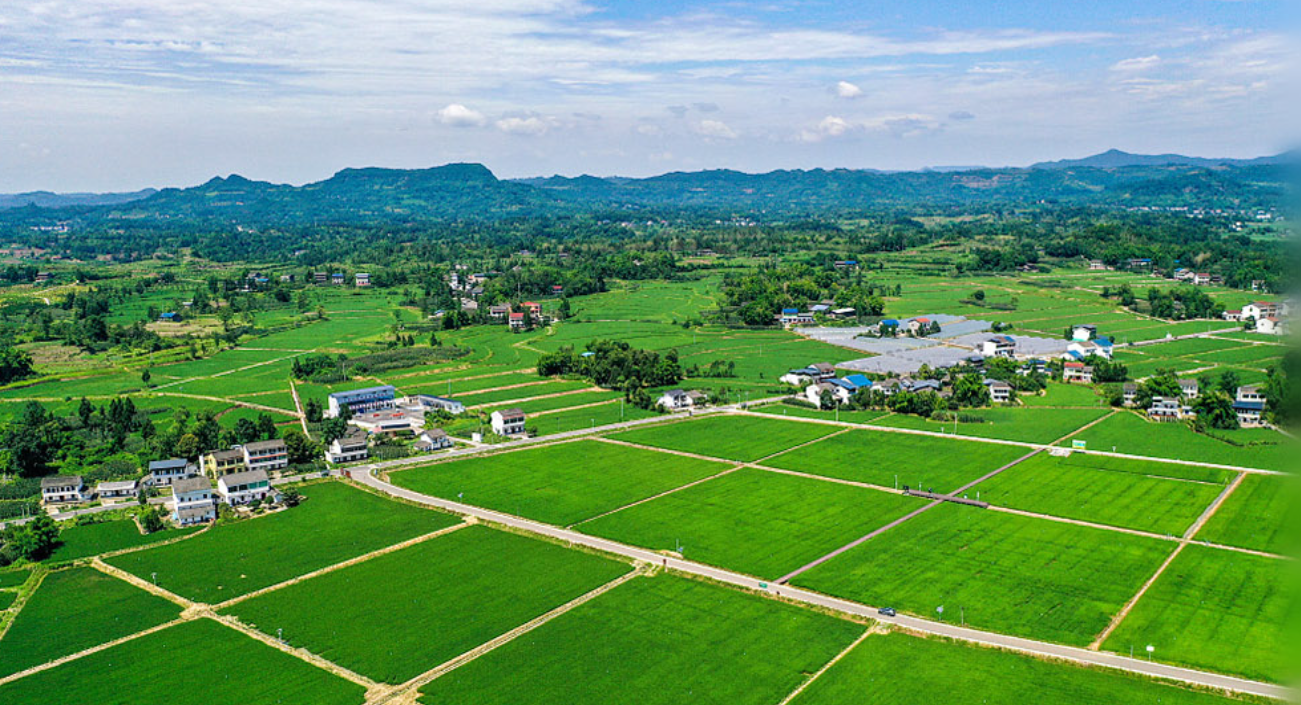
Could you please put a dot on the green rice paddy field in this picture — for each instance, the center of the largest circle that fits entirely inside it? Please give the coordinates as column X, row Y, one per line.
column 93, row 539
column 147, row 670
column 740, row 438
column 1220, row 610
column 754, row 521
column 1018, row 575
column 896, row 669
column 1068, row 487
column 1130, row 433
column 73, row 610
column 466, row 587
column 336, row 522
column 1260, row 515
column 880, row 458
column 655, row 641
column 559, row 484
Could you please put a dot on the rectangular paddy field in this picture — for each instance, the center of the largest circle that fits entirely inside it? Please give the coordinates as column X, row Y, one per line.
column 76, row 609
column 1058, row 394
column 1260, row 515
column 803, row 412
column 1074, row 488
column 734, row 437
column 655, row 641
column 465, row 588
column 878, row 458
column 336, row 522
column 559, row 484
column 1221, row 610
column 195, row 663
column 93, row 539
column 1034, row 425
column 1131, row 434
column 14, row 578
column 757, row 522
column 563, row 420
column 1018, row 575
column 898, row 669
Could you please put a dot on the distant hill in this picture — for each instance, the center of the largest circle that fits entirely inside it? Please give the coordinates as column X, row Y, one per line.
column 1115, row 158
column 472, row 192
column 47, row 199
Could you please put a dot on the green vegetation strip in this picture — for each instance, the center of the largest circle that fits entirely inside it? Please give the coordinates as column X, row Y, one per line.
column 558, row 484
column 897, row 669
column 757, row 522
column 335, row 523
column 14, row 578
column 741, row 438
column 1128, row 433
column 73, row 610
column 655, row 641
column 1220, row 610
column 1032, row 425
column 878, row 458
column 376, row 618
column 196, row 663
column 1018, row 575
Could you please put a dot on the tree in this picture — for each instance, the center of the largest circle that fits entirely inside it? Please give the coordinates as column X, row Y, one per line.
column 151, row 520
column 33, row 439
column 978, row 295
column 433, row 340
column 312, row 411
column 15, row 364
column 299, row 447
column 970, row 390
column 564, row 311
column 35, row 539
column 1215, row 410
column 187, row 446
column 266, row 427
column 144, row 376
column 826, row 399
column 1229, row 381
column 85, row 412
column 291, row 497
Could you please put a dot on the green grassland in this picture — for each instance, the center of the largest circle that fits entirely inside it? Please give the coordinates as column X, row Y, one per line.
column 1153, row 468
column 76, row 609
column 1033, row 425
column 1069, row 487
column 878, row 458
column 754, row 521
column 1215, row 609
column 93, row 539
column 336, row 522
column 1130, row 433
column 911, row 669
column 655, row 641
column 196, row 663
column 527, row 392
column 377, row 617
column 7, row 598
column 1059, row 394
column 1018, row 575
column 740, row 438
column 559, row 484
column 1260, row 514
column 647, row 301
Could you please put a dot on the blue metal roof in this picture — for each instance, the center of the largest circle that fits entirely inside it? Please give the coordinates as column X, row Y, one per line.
column 858, row 380
column 790, row 310
column 1249, row 405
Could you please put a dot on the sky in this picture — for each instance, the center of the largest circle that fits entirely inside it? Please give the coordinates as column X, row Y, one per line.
column 116, row 95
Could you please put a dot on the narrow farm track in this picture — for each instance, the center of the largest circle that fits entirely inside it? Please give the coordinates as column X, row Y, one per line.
column 540, row 396
column 145, row 585
column 1183, row 543
column 827, row 666
column 846, row 607
column 403, row 692
column 298, row 406
column 234, row 402
column 303, row 654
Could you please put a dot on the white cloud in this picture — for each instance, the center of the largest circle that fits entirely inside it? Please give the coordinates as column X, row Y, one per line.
column 1138, row 63
column 829, row 126
column 845, row 89
column 457, row 115
column 715, row 129
column 532, row 125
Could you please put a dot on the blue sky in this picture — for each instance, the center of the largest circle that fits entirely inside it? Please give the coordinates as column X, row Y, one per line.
column 122, row 94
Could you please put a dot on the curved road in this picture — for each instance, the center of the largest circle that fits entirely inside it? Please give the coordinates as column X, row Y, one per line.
column 364, row 474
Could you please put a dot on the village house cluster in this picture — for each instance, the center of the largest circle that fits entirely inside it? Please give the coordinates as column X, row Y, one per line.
column 1268, row 317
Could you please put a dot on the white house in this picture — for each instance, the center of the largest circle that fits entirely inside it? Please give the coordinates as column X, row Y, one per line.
column 1249, row 405
column 243, row 487
column 1260, row 309
column 1189, row 389
column 266, row 455
column 193, row 501
column 508, row 422
column 117, row 490
column 62, row 489
column 675, row 399
column 1129, row 393
column 361, row 400
column 432, row 440
column 1164, row 409
column 1270, row 325
column 1000, row 392
column 349, row 447
column 222, row 462
column 999, row 346
column 814, row 393
column 1084, row 331
column 430, row 401
column 1077, row 372
column 392, row 422
column 1081, row 349
column 165, row 472
column 1250, row 393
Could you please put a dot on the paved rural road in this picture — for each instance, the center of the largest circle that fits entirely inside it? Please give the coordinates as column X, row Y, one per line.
column 365, row 475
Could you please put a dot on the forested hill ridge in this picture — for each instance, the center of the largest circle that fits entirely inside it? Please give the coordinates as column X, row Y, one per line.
column 472, row 192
